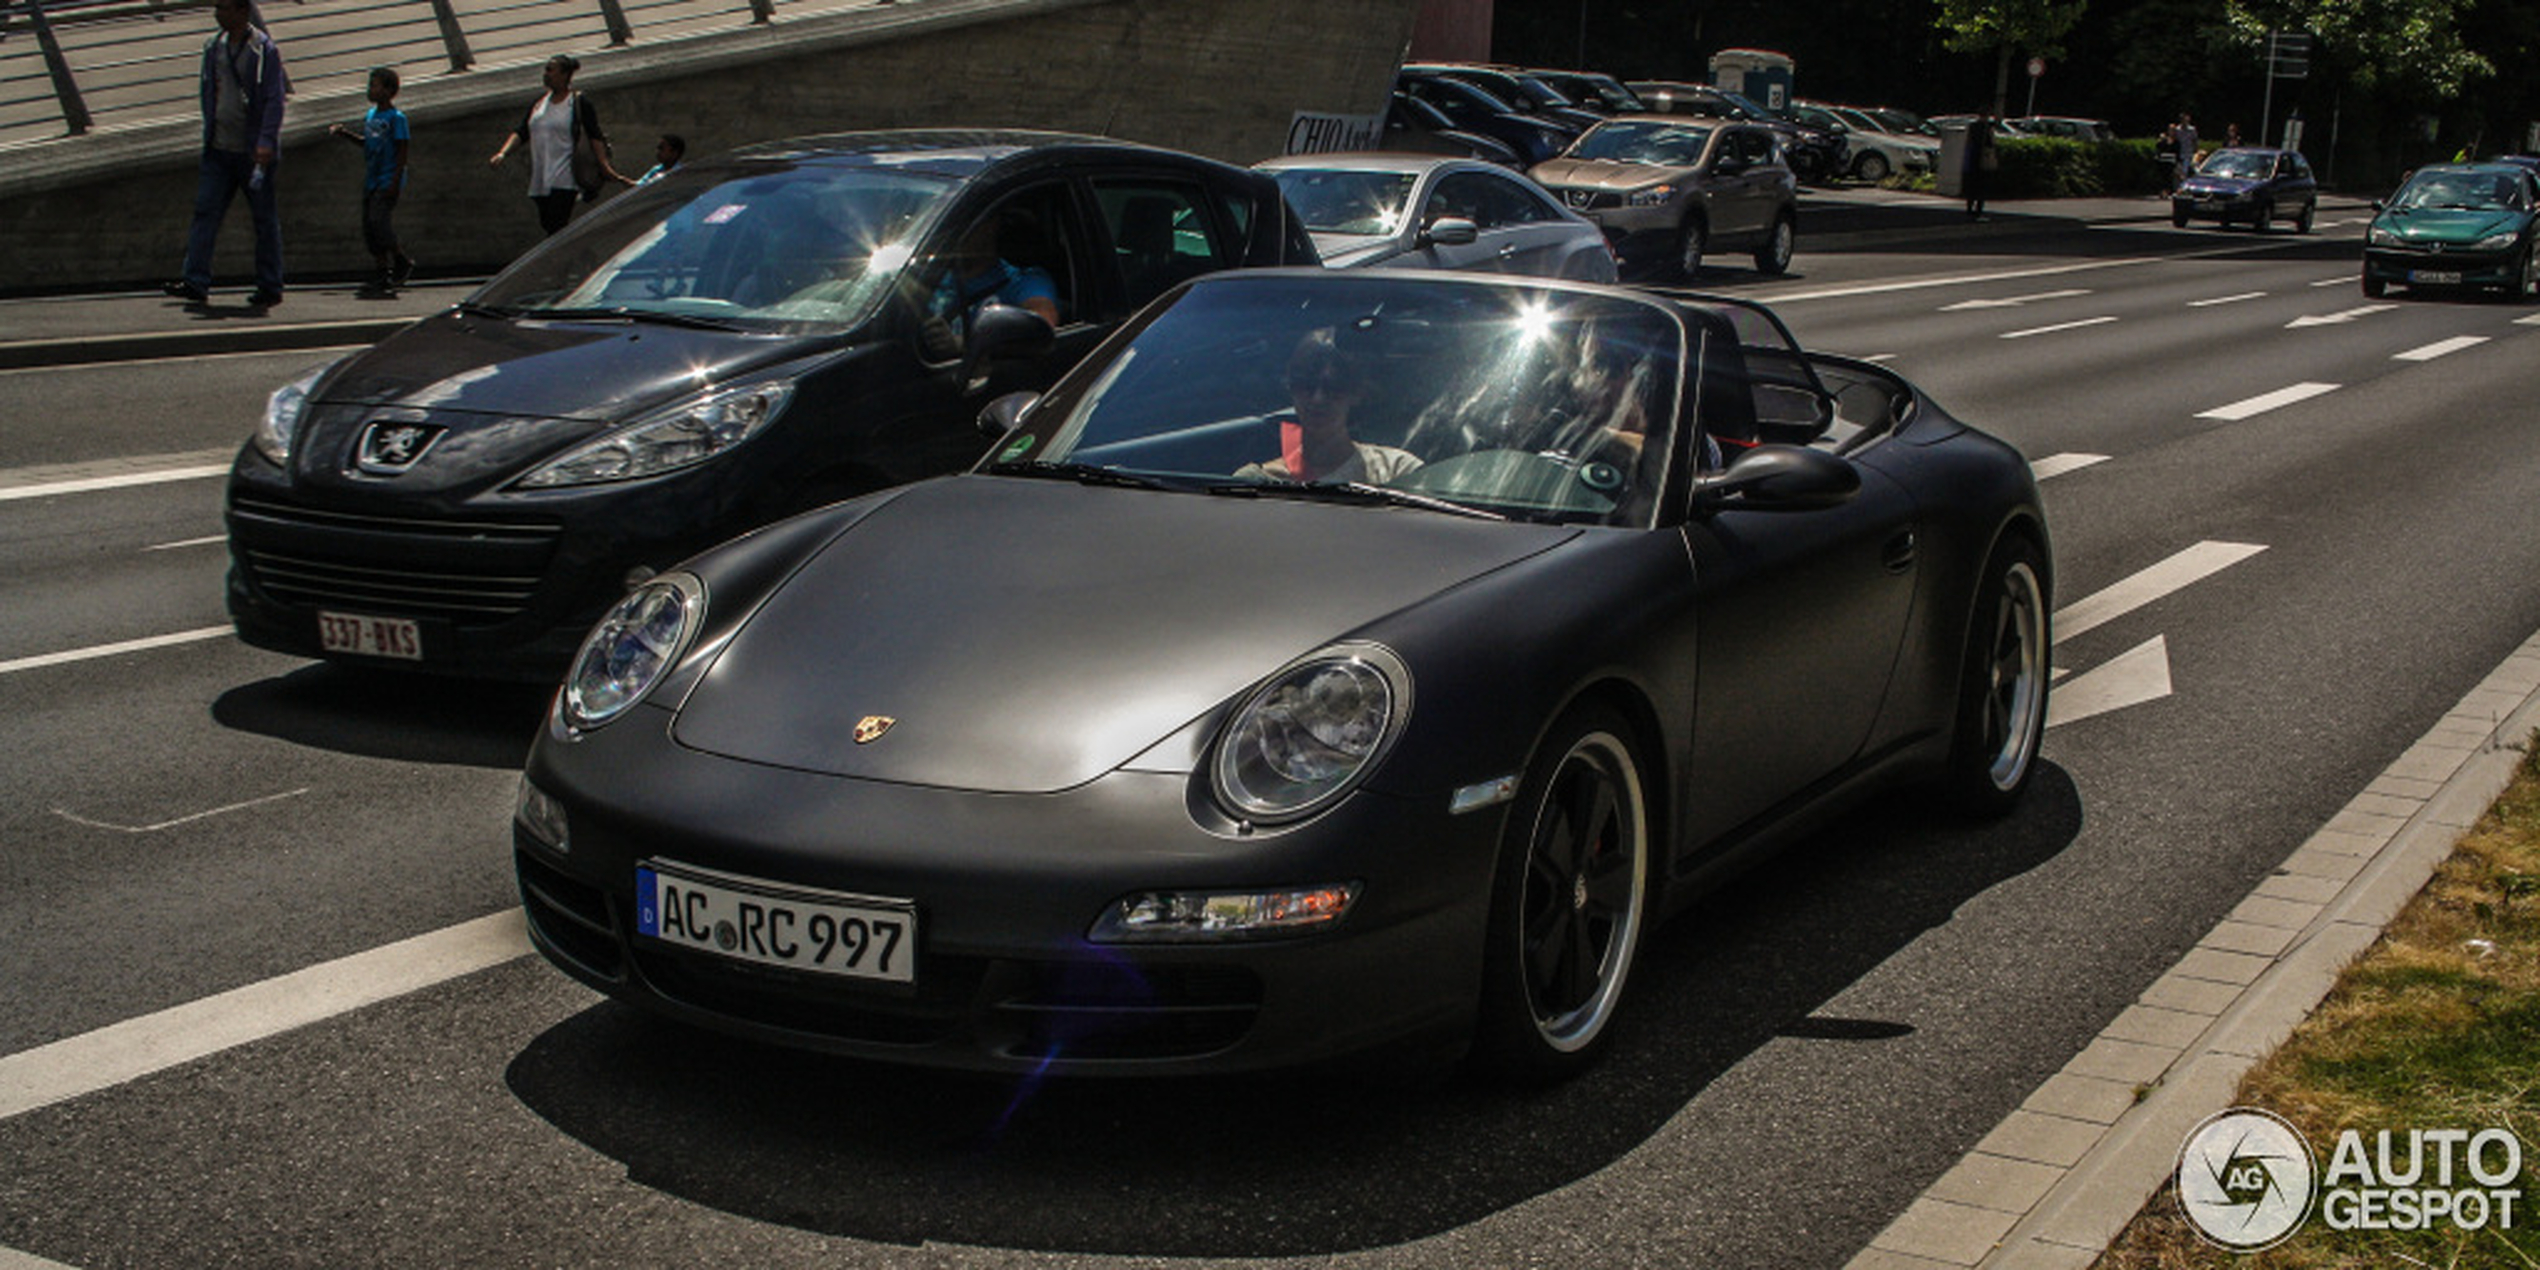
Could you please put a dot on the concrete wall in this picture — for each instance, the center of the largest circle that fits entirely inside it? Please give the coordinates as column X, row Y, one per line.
column 1217, row 77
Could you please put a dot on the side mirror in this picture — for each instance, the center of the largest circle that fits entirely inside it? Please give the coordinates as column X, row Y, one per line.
column 1005, row 413
column 1449, row 231
column 1003, row 333
column 1780, row 478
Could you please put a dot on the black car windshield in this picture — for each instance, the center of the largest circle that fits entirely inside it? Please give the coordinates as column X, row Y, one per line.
column 1672, row 145
column 776, row 245
column 1332, row 201
column 1532, row 402
column 2245, row 165
column 2463, row 190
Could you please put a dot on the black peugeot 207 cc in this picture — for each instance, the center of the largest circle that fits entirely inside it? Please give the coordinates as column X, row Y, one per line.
column 744, row 339
column 1330, row 663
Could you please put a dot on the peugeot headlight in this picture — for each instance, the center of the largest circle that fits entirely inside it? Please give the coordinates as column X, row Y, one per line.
column 631, row 649
column 1309, row 732
column 668, row 439
column 2381, row 236
column 2500, row 242
column 1653, row 196
column 280, row 425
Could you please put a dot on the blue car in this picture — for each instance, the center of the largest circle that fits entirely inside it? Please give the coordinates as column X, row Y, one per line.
column 2253, row 185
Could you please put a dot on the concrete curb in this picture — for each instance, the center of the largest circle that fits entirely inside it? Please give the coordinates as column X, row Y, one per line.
column 2062, row 1176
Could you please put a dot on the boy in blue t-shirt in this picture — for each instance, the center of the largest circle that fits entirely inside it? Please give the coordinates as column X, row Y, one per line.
column 382, row 137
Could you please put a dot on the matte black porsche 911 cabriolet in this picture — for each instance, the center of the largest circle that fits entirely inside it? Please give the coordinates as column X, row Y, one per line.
column 1329, row 663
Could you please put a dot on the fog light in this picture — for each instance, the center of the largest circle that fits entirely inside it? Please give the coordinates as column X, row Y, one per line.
column 542, row 816
column 1199, row 916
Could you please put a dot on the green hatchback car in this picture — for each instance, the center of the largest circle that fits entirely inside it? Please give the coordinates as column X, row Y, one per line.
column 2458, row 225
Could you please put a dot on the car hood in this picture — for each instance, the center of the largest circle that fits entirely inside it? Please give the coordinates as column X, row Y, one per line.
column 2448, row 224
column 1605, row 174
column 500, row 393
column 2227, row 186
column 1028, row 636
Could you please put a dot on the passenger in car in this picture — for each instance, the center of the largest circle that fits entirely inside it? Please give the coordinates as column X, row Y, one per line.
column 1326, row 383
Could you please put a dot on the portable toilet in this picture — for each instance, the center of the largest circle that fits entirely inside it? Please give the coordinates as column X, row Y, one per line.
column 1762, row 75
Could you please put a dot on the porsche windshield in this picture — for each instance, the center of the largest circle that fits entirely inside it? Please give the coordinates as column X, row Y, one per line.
column 1669, row 145
column 770, row 247
column 1529, row 402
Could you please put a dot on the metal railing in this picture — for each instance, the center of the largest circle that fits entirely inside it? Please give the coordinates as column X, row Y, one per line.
column 72, row 67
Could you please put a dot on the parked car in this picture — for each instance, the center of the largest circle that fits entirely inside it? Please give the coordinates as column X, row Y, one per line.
column 1130, row 752
column 2250, row 184
column 1522, row 89
column 2064, row 126
column 1592, row 90
column 1474, row 109
column 1400, row 211
column 1874, row 152
column 1902, row 122
column 2002, row 129
column 740, row 340
column 2458, row 225
column 1668, row 190
column 1816, row 155
column 1413, row 126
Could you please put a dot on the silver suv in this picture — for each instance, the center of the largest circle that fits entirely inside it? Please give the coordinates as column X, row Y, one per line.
column 1668, row 190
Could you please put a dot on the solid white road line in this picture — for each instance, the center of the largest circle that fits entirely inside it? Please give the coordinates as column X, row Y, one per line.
column 189, row 542
column 138, row 1047
column 114, row 482
column 2058, row 464
column 2195, row 564
column 2227, row 299
column 2258, row 405
column 110, row 650
column 2439, row 348
column 2009, row 302
column 2060, row 326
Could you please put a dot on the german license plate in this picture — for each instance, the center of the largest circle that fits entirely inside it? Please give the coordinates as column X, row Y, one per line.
column 396, row 637
column 825, row 932
column 2435, row 277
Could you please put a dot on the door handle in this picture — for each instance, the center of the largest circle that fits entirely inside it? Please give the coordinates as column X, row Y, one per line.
column 1898, row 555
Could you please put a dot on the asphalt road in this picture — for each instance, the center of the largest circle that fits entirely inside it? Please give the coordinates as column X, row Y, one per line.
column 2266, row 604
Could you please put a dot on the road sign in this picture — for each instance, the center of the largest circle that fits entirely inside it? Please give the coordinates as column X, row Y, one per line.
column 2036, row 67
column 2289, row 54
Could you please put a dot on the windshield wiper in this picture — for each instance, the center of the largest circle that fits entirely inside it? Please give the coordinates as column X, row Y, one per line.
column 1082, row 473
column 477, row 308
column 625, row 314
column 1351, row 491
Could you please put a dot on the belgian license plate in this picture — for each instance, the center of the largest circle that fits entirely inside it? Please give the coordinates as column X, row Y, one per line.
column 2435, row 277
column 825, row 932
column 397, row 637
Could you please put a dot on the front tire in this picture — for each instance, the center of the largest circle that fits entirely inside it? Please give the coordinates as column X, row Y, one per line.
column 2526, row 275
column 2374, row 287
column 2002, row 684
column 2302, row 222
column 1871, row 168
column 1774, row 256
column 1691, row 240
column 1570, row 899
column 2263, row 220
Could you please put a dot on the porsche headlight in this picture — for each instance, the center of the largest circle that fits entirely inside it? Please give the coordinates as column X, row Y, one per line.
column 1654, row 196
column 2500, row 242
column 666, row 440
column 280, row 425
column 631, row 649
column 1311, row 731
column 2383, row 237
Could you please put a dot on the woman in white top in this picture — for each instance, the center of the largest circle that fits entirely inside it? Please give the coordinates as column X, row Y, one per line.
column 560, row 123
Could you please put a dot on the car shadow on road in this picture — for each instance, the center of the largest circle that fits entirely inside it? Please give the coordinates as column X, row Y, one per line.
column 1296, row 1166
column 386, row 714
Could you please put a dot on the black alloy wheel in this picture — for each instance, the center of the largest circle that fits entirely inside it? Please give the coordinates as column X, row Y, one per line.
column 1569, row 901
column 2003, row 684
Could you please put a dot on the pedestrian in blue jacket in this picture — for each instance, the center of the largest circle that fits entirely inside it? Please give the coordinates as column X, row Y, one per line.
column 243, row 88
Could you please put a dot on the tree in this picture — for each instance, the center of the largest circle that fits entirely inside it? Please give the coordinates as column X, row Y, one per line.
column 2036, row 27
